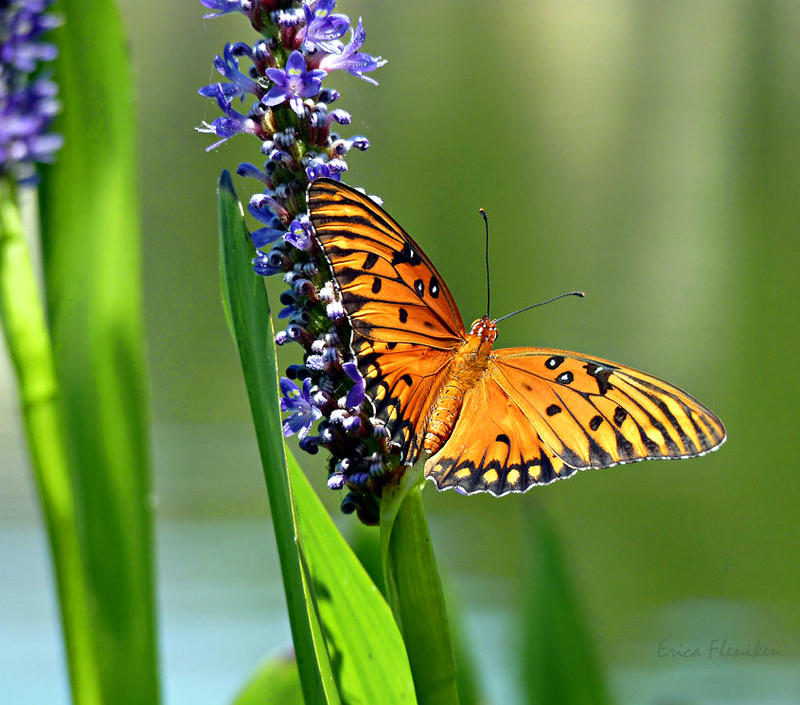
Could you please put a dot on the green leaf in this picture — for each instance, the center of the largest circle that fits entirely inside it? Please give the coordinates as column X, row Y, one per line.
column 347, row 645
column 275, row 682
column 246, row 305
column 367, row 651
column 91, row 251
column 559, row 664
column 414, row 590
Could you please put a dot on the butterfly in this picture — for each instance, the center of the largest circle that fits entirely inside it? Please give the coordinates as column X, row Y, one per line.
column 486, row 420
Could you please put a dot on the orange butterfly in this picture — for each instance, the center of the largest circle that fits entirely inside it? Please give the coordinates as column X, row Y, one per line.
column 494, row 421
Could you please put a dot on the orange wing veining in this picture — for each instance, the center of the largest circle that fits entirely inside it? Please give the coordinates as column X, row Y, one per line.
column 539, row 414
column 389, row 288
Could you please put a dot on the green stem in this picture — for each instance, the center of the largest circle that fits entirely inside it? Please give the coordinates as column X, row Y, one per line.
column 414, row 592
column 30, row 349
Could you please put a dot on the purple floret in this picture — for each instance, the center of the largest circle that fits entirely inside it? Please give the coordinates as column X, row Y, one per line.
column 293, row 83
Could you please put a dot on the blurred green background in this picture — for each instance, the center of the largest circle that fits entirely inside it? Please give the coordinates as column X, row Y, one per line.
column 647, row 153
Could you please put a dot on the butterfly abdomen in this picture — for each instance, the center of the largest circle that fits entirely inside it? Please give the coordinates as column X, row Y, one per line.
column 467, row 367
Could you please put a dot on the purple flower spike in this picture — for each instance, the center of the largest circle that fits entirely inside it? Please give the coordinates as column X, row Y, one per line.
column 356, row 395
column 293, row 83
column 27, row 103
column 298, row 402
column 352, row 60
column 323, row 29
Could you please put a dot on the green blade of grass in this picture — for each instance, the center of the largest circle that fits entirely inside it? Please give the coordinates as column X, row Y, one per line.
column 91, row 252
column 414, row 590
column 248, row 314
column 23, row 321
column 366, row 649
column 554, row 626
column 347, row 645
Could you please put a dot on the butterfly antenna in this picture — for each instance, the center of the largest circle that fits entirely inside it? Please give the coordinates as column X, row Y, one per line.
column 488, row 286
column 541, row 303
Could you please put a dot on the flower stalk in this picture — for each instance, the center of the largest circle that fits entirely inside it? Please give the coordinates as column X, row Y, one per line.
column 29, row 346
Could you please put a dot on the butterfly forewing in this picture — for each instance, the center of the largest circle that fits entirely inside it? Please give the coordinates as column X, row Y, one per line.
column 389, row 288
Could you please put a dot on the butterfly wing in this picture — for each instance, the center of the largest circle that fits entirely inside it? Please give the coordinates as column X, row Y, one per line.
column 539, row 408
column 493, row 447
column 391, row 291
column 405, row 322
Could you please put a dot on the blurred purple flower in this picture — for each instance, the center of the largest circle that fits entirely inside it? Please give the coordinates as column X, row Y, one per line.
column 27, row 104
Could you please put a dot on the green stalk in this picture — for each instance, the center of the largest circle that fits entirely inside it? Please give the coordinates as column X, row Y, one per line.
column 29, row 346
column 414, row 591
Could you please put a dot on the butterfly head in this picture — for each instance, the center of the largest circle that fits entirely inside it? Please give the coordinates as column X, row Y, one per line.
column 485, row 329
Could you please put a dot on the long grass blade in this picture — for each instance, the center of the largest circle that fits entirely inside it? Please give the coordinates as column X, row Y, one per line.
column 91, row 252
column 553, row 624
column 248, row 313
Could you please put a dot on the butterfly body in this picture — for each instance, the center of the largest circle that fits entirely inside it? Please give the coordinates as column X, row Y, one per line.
column 470, row 362
column 485, row 419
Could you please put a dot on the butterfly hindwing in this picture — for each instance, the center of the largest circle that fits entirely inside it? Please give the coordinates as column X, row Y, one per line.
column 389, row 288
column 539, row 414
column 401, row 381
column 494, row 448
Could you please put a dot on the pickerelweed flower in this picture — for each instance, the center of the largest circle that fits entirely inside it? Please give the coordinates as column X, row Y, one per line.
column 281, row 100
column 28, row 102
